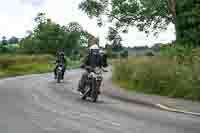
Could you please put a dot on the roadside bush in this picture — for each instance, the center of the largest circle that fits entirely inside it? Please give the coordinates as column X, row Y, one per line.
column 124, row 54
column 15, row 65
column 149, row 53
column 159, row 75
column 8, row 60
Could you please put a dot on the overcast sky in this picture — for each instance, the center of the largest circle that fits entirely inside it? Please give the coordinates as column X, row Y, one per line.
column 17, row 17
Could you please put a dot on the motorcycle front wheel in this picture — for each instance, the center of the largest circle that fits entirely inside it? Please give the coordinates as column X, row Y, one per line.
column 59, row 77
column 86, row 93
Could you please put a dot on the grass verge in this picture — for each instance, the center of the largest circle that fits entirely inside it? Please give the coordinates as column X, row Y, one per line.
column 17, row 65
column 161, row 76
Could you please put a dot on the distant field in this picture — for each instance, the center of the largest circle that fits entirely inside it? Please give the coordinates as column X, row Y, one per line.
column 16, row 65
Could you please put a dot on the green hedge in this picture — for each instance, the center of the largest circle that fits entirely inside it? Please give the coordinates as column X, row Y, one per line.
column 157, row 75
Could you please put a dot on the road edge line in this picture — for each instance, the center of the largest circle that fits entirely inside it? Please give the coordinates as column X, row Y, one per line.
column 163, row 107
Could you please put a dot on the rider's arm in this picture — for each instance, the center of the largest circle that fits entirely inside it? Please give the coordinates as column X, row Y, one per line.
column 85, row 62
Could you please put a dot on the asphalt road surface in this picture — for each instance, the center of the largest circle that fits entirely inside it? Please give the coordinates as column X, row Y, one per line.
column 37, row 104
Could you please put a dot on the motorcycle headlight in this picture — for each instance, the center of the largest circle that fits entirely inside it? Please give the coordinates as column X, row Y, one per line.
column 60, row 68
column 91, row 75
column 98, row 71
column 99, row 77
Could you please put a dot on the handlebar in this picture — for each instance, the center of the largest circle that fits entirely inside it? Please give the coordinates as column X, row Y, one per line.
column 89, row 69
column 104, row 70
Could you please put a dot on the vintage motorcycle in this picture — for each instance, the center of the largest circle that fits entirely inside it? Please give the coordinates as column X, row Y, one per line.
column 93, row 84
column 59, row 73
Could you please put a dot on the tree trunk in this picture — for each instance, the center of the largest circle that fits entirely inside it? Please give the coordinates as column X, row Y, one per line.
column 177, row 29
column 172, row 5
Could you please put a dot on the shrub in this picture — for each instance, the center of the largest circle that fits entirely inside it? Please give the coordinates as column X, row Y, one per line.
column 8, row 60
column 124, row 54
column 159, row 75
column 149, row 54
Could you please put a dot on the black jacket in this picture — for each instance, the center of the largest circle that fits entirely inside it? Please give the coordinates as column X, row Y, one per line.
column 95, row 59
column 61, row 60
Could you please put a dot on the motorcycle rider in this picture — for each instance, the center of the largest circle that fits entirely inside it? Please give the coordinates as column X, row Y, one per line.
column 95, row 58
column 60, row 61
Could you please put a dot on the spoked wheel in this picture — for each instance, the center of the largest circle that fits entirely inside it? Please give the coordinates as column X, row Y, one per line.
column 86, row 93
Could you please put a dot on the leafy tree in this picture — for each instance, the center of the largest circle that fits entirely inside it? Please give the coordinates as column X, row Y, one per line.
column 112, row 34
column 74, row 27
column 189, row 21
column 13, row 40
column 149, row 15
column 29, row 33
column 75, row 33
column 156, row 14
column 117, row 43
column 115, row 39
column 149, row 53
column 124, row 54
column 4, row 41
column 49, row 37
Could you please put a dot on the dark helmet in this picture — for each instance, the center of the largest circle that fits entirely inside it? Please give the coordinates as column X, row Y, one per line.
column 61, row 54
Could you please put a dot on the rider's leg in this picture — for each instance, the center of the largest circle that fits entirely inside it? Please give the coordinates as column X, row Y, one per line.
column 55, row 73
column 63, row 72
column 99, row 91
column 82, row 82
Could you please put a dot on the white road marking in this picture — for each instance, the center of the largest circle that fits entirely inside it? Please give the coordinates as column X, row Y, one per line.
column 176, row 110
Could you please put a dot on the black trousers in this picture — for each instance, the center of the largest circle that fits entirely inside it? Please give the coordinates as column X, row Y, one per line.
column 82, row 81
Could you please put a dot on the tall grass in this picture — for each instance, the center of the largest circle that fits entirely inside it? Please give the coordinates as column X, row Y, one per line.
column 15, row 65
column 12, row 59
column 159, row 75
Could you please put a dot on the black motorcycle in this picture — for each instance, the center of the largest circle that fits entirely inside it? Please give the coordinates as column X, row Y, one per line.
column 59, row 73
column 93, row 84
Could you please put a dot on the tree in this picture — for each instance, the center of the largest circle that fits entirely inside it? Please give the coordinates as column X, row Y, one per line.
column 149, row 53
column 40, row 18
column 74, row 27
column 148, row 15
column 144, row 14
column 75, row 34
column 4, row 41
column 117, row 43
column 188, row 21
column 13, row 40
column 112, row 34
column 29, row 33
column 49, row 37
column 124, row 54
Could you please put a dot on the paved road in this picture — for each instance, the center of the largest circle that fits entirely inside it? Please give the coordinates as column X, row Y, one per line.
column 36, row 104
